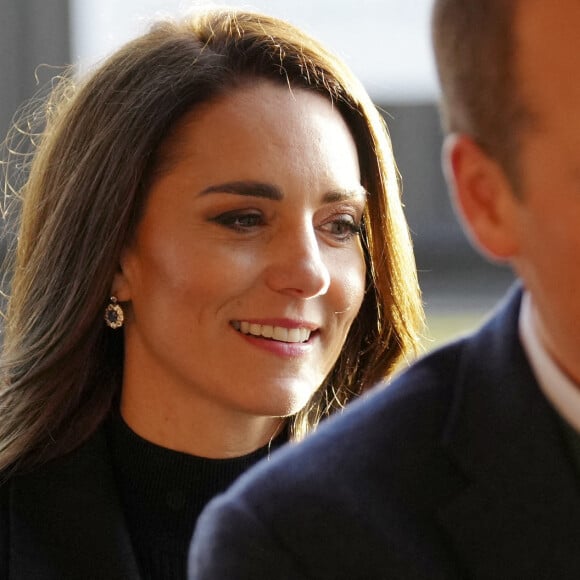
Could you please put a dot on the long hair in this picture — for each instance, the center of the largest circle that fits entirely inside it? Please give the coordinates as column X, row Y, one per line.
column 62, row 368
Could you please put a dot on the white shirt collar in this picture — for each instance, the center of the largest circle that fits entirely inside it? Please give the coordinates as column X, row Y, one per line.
column 557, row 387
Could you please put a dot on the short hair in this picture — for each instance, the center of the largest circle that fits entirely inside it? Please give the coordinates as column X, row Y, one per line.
column 475, row 45
column 89, row 177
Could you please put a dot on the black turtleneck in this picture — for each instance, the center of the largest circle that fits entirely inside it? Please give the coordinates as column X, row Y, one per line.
column 163, row 493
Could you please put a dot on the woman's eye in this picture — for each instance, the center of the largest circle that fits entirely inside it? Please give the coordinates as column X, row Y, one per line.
column 239, row 220
column 342, row 228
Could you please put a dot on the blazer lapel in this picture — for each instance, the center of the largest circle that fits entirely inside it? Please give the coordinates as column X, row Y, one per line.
column 66, row 521
column 519, row 515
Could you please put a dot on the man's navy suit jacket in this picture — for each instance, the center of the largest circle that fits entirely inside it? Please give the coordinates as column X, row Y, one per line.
column 458, row 469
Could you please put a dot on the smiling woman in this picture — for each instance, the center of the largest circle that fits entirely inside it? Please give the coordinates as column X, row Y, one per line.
column 246, row 263
column 222, row 192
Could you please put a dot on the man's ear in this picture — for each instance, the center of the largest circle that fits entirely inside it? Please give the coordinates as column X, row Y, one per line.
column 483, row 197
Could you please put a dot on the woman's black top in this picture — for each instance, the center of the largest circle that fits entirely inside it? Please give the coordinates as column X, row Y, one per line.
column 163, row 493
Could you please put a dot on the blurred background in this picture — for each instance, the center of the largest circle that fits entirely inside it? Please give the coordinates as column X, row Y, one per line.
column 386, row 42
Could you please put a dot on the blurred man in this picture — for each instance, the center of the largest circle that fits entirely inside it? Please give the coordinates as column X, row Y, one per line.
column 469, row 464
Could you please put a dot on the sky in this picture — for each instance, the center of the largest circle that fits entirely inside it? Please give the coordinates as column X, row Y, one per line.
column 385, row 42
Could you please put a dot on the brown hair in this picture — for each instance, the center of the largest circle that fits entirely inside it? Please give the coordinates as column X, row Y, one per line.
column 61, row 366
column 474, row 43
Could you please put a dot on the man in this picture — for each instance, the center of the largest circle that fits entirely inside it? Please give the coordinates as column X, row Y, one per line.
column 468, row 465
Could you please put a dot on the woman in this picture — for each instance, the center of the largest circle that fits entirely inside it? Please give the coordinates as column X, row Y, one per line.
column 222, row 192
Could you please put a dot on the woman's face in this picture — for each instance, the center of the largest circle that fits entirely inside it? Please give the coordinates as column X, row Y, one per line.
column 246, row 270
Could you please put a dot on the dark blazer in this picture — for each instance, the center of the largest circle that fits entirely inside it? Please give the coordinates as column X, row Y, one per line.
column 64, row 521
column 457, row 470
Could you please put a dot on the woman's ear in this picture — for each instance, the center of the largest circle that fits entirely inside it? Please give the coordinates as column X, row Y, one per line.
column 121, row 286
column 483, row 197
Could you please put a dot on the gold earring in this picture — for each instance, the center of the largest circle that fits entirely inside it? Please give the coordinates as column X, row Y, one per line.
column 114, row 315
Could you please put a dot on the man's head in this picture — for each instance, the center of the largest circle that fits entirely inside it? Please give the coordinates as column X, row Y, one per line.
column 475, row 54
column 525, row 87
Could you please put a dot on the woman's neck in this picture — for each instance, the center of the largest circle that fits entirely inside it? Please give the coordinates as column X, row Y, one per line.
column 210, row 431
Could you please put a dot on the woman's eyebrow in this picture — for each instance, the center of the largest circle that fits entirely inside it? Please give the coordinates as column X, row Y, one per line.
column 248, row 188
column 270, row 191
column 346, row 194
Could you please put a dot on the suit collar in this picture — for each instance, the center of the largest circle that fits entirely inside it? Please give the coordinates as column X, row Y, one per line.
column 557, row 386
column 66, row 520
column 520, row 507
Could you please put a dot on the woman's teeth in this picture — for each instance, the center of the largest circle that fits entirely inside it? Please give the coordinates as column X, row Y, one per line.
column 278, row 333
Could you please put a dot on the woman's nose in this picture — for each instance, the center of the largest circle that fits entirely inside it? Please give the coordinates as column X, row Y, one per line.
column 297, row 266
